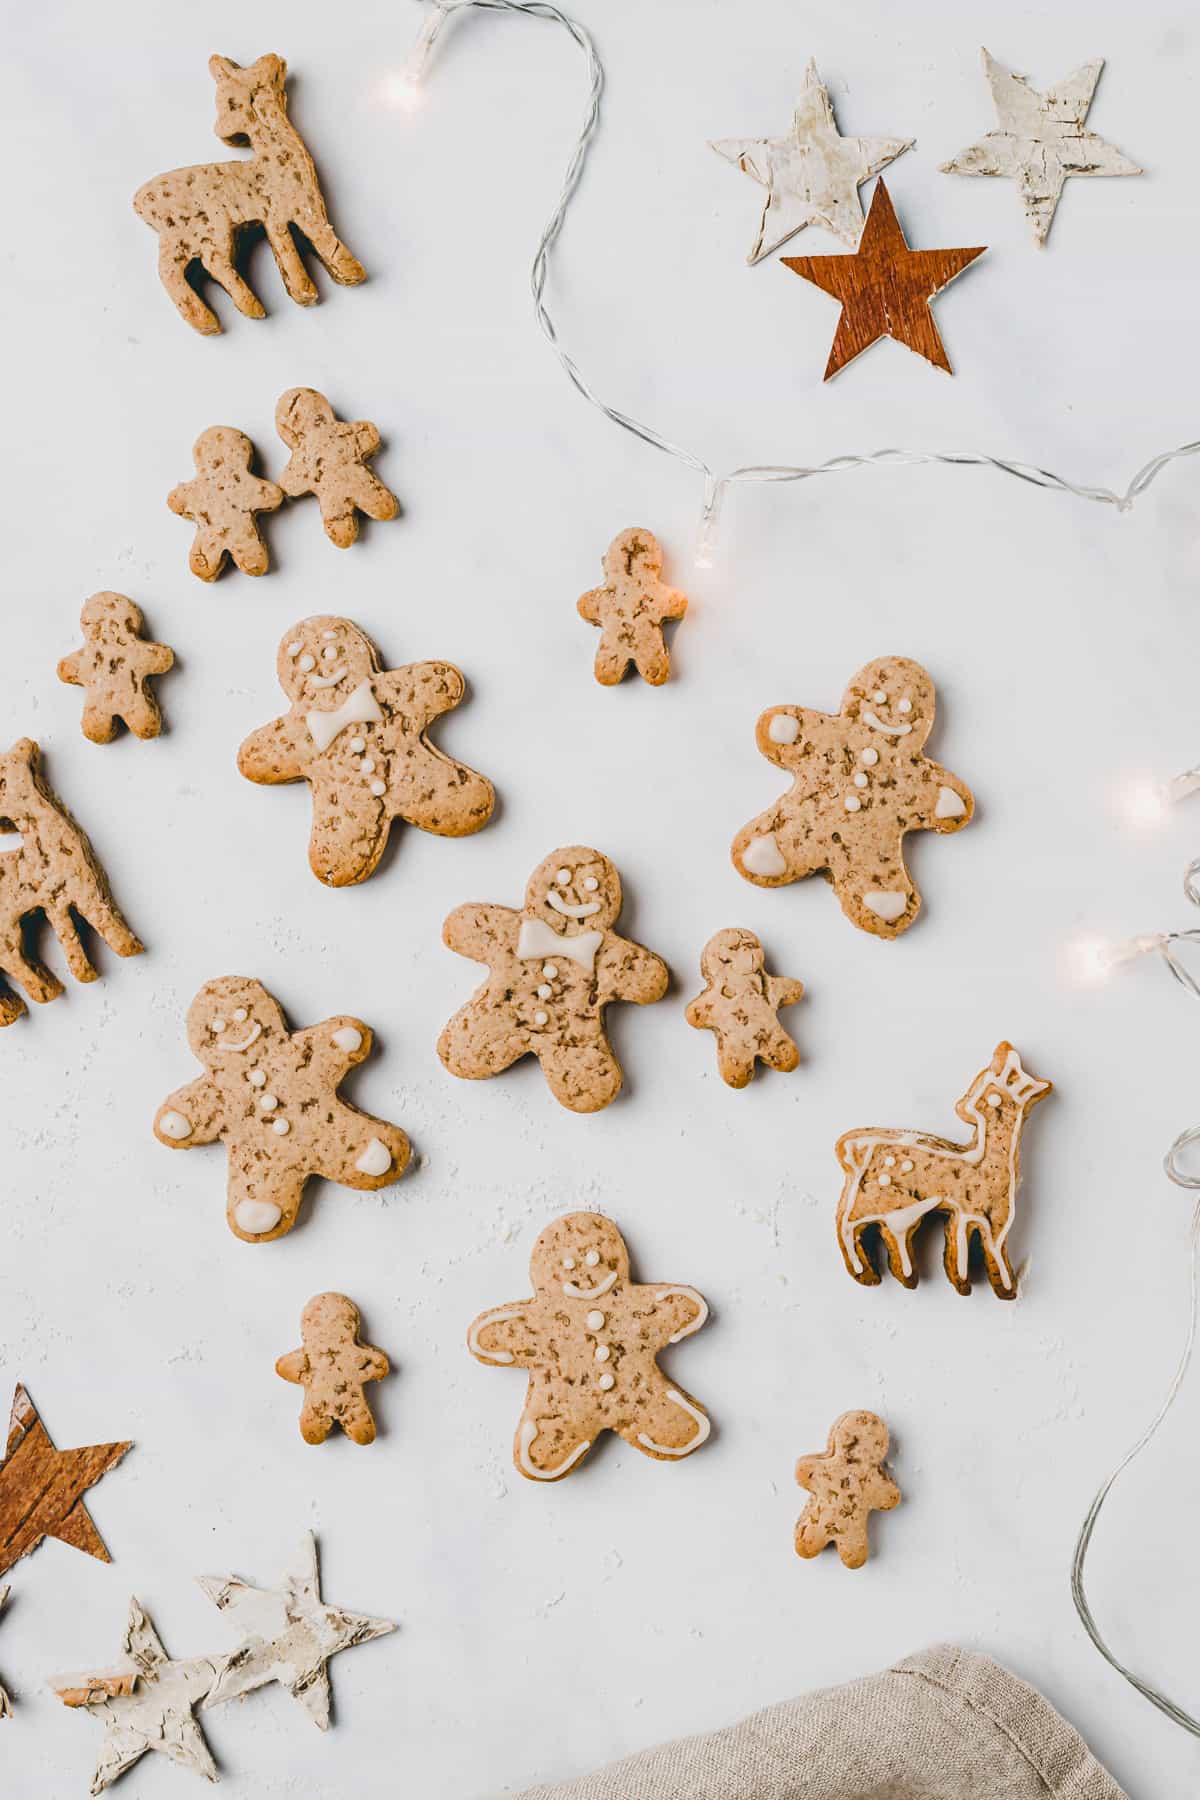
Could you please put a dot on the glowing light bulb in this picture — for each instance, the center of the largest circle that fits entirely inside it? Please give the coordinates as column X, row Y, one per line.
column 1088, row 962
column 1142, row 804
column 404, row 89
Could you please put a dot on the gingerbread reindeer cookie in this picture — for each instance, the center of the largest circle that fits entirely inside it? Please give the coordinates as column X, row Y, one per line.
column 740, row 1004
column 270, row 1096
column 631, row 608
column 894, row 1179
column 554, row 967
column 589, row 1337
column 224, row 499
column 114, row 668
column 847, row 1483
column 332, row 1367
column 356, row 734
column 329, row 459
column 860, row 784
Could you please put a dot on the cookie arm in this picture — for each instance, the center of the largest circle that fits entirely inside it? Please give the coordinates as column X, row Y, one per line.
column 590, row 606
column 480, row 931
column 422, row 691
column 808, row 725
column 947, row 803
column 373, row 1365
column 673, row 603
column 68, row 668
column 366, row 437
column 328, row 1058
column 156, row 658
column 194, row 1114
column 628, row 971
column 294, row 479
column 677, row 1311
column 505, row 1336
column 699, row 1012
column 294, row 1366
column 781, row 991
column 272, row 754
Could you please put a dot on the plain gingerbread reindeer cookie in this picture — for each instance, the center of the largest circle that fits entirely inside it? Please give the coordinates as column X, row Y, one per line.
column 200, row 212
column 847, row 1483
column 329, row 459
column 357, row 734
column 553, row 968
column 270, row 1096
column 860, row 784
column 589, row 1337
column 894, row 1179
column 631, row 608
column 114, row 668
column 740, row 1006
column 333, row 1366
column 225, row 499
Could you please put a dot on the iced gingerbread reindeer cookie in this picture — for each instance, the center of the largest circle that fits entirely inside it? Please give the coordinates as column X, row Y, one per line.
column 356, row 734
column 860, row 784
column 631, row 608
column 894, row 1179
column 270, row 1096
column 329, row 459
column 740, row 1006
column 114, row 668
column 224, row 499
column 554, row 967
column 847, row 1484
column 589, row 1337
column 333, row 1366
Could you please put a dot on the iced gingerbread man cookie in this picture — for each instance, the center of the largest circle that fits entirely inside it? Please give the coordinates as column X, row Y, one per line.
column 329, row 459
column 894, row 1179
column 847, row 1484
column 740, row 1006
column 631, row 609
column 270, row 1096
column 589, row 1337
column 224, row 499
column 333, row 1366
column 860, row 784
column 554, row 967
column 356, row 734
column 114, row 669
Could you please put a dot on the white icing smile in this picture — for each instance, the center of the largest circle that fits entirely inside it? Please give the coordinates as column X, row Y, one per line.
column 572, row 912
column 251, row 1037
column 327, row 681
column 574, row 1292
column 877, row 724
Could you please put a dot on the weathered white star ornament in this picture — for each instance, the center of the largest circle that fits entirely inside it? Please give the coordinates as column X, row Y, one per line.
column 288, row 1635
column 812, row 175
column 1042, row 140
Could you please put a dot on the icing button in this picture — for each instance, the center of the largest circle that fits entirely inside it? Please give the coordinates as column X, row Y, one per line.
column 602, row 1352
column 549, row 971
column 852, row 803
column 870, row 756
column 378, row 788
column 280, row 1127
column 606, row 1381
column 358, row 745
column 540, row 1018
column 860, row 780
column 885, row 1181
column 595, row 1321
column 256, row 1078
column 545, row 991
column 267, row 1102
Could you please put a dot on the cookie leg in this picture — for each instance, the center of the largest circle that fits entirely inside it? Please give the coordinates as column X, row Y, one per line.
column 24, row 972
column 296, row 279
column 172, row 272
column 340, row 521
column 11, row 1006
column 482, row 1040
column 548, row 1444
column 667, row 1423
column 883, row 902
column 143, row 717
column 736, row 1064
column 344, row 268
column 99, row 727
column 852, row 1543
column 425, row 803
column 220, row 265
column 854, row 1255
column 62, row 923
column 356, row 1419
column 262, row 1200
column 206, row 558
column 650, row 655
column 370, row 1154
column 584, row 1077
column 780, row 1052
column 348, row 837
column 249, row 551
column 368, row 493
column 613, row 657
column 92, row 904
column 315, row 1422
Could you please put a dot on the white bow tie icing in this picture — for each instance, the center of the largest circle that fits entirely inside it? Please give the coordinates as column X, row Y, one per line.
column 537, row 939
column 361, row 708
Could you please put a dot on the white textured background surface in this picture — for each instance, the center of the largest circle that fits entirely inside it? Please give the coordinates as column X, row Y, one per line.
column 544, row 1630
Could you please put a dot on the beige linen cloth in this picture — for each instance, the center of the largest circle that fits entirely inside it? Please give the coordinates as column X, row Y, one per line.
column 946, row 1724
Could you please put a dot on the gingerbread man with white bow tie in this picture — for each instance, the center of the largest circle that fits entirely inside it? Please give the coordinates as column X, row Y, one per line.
column 554, row 967
column 356, row 734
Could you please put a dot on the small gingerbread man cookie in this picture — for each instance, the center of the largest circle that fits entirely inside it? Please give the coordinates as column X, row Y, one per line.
column 114, row 668
column 224, row 499
column 631, row 608
column 332, row 1367
column 554, row 967
column 847, row 1483
column 356, row 734
column 860, row 784
column 589, row 1337
column 270, row 1095
column 739, row 1005
column 329, row 459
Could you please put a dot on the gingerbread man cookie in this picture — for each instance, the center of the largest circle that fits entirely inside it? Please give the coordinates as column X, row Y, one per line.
column 589, row 1337
column 847, row 1483
column 631, row 608
column 332, row 1367
column 114, row 668
column 224, row 499
column 329, row 459
column 894, row 1179
column 860, row 784
column 47, row 865
column 270, row 1095
column 554, row 966
column 739, row 1006
column 356, row 734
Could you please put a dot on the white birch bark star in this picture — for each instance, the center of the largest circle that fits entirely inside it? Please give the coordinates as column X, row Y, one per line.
column 1042, row 140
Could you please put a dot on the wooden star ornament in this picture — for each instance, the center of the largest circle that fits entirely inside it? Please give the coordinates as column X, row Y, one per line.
column 885, row 288
column 42, row 1489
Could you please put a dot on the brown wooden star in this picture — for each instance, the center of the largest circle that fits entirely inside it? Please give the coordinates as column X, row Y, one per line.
column 885, row 288
column 42, row 1489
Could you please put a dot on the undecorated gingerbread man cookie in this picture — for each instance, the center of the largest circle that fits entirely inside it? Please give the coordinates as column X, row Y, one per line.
column 631, row 609
column 554, row 967
column 356, row 734
column 270, row 1096
column 847, row 1483
column 589, row 1337
column 332, row 1366
column 860, row 784
column 224, row 499
column 329, row 459
column 740, row 1004
column 114, row 668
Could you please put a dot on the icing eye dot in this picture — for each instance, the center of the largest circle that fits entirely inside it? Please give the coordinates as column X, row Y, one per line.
column 592, row 1258
column 240, row 1016
column 218, row 1025
column 295, row 648
column 591, row 884
column 563, row 877
column 329, row 652
column 329, row 634
column 568, row 1262
column 307, row 662
column 879, row 696
column 906, row 706
column 993, row 1099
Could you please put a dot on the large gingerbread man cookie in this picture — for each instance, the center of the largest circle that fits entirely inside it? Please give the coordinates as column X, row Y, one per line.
column 589, row 1337
column 356, row 734
column 114, row 668
column 631, row 609
column 860, row 784
column 270, row 1096
column 554, row 966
